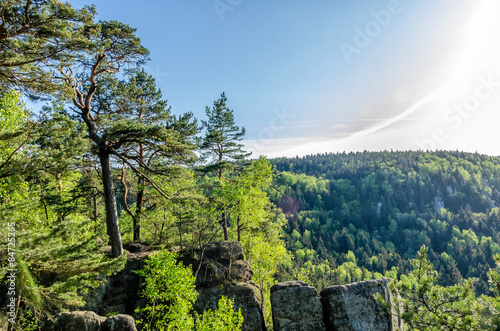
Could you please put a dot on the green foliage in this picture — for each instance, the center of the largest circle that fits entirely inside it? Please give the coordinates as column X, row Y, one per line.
column 222, row 136
column 150, row 140
column 222, row 319
column 58, row 257
column 13, row 119
column 428, row 306
column 36, row 37
column 170, row 293
column 266, row 256
column 386, row 205
column 169, row 289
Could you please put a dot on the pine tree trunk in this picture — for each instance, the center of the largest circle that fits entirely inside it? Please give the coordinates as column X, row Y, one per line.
column 140, row 197
column 137, row 218
column 238, row 229
column 224, row 225
column 110, row 204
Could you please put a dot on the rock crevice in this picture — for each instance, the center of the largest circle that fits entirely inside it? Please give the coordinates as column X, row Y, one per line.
column 353, row 307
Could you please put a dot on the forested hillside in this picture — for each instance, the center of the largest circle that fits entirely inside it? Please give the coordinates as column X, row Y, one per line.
column 378, row 209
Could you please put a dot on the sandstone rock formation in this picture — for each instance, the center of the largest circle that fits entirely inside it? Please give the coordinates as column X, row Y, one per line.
column 90, row 321
column 119, row 323
column 122, row 292
column 222, row 271
column 296, row 306
column 76, row 321
column 247, row 297
column 353, row 307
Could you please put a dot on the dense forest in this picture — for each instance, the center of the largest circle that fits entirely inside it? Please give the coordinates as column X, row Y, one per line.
column 102, row 161
column 378, row 209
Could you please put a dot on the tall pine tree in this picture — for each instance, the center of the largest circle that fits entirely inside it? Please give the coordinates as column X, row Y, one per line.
column 114, row 45
column 221, row 143
column 155, row 143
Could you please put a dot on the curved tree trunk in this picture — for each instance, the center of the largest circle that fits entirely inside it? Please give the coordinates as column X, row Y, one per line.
column 110, row 204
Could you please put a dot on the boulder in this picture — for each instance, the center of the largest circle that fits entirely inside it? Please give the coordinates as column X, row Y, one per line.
column 89, row 321
column 353, row 307
column 135, row 247
column 224, row 251
column 76, row 321
column 119, row 323
column 296, row 307
column 221, row 262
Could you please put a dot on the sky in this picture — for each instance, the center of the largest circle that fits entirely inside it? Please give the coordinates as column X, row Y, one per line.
column 329, row 75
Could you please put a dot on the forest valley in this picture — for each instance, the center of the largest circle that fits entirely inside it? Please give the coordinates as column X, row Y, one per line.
column 105, row 161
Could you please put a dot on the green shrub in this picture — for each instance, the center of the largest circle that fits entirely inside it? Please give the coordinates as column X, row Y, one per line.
column 170, row 293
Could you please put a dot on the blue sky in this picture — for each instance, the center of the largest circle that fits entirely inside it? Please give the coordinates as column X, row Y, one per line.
column 327, row 76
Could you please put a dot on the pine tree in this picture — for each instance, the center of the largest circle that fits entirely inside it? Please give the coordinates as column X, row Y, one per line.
column 36, row 37
column 114, row 44
column 159, row 143
column 221, row 143
column 222, row 137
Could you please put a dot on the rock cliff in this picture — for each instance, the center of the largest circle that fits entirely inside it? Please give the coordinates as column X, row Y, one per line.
column 351, row 307
column 221, row 270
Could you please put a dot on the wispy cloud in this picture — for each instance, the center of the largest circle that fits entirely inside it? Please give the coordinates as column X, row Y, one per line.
column 415, row 107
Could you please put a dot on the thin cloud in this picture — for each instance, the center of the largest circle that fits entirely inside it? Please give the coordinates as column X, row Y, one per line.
column 416, row 106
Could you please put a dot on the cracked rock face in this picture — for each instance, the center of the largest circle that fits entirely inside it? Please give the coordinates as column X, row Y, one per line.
column 90, row 321
column 246, row 296
column 353, row 307
column 222, row 271
column 296, row 306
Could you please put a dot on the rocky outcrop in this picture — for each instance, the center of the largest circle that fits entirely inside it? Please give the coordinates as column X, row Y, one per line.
column 119, row 323
column 222, row 262
column 222, row 271
column 76, row 321
column 246, row 296
column 353, row 307
column 90, row 321
column 296, row 306
column 122, row 292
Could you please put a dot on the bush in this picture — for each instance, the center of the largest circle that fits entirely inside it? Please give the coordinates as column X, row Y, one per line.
column 170, row 293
